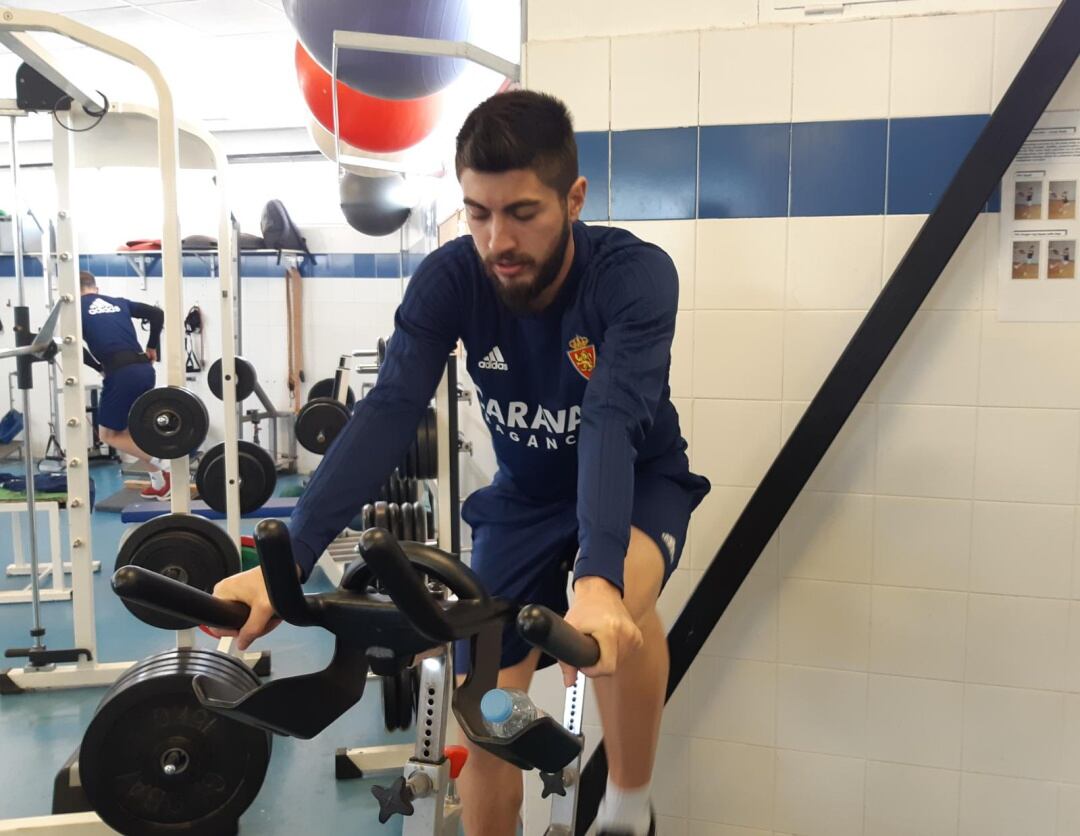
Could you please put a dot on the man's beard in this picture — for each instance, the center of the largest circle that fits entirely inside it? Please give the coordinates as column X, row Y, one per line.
column 520, row 297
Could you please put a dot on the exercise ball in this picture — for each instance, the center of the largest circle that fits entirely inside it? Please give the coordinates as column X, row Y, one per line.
column 374, row 205
column 387, row 75
column 365, row 121
column 324, row 141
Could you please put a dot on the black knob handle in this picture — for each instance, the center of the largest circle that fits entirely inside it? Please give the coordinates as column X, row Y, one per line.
column 544, row 629
column 141, row 586
column 553, row 784
column 395, row 799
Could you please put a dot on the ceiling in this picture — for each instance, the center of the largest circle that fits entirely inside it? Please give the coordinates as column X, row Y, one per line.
column 228, row 62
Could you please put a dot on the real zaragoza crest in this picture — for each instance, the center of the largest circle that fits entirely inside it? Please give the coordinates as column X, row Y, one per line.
column 583, row 356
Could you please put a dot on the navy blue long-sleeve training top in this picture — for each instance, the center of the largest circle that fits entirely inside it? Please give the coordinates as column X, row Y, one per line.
column 576, row 396
column 107, row 328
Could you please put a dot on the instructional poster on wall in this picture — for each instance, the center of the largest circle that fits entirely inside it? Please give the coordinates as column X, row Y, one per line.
column 1040, row 226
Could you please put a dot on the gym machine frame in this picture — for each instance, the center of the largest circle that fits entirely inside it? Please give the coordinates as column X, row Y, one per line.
column 124, row 123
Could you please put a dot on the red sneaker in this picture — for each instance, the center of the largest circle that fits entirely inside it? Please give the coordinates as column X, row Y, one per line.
column 161, row 494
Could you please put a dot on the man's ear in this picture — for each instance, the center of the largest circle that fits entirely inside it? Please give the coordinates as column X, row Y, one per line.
column 575, row 198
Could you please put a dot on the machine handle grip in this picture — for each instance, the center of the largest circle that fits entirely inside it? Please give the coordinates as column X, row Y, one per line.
column 171, row 597
column 279, row 571
column 406, row 588
column 544, row 629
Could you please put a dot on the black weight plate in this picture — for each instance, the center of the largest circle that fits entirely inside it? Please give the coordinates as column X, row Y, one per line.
column 408, row 522
column 414, row 494
column 367, row 515
column 421, row 448
column 410, row 460
column 150, row 720
column 380, row 352
column 420, row 522
column 319, row 422
column 245, row 379
column 406, row 703
column 258, row 477
column 394, row 512
column 430, row 515
column 325, row 389
column 390, row 702
column 381, row 518
column 183, row 547
column 433, row 444
column 168, row 422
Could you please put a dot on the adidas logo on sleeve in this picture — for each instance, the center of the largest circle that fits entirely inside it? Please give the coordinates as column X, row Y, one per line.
column 494, row 361
column 100, row 306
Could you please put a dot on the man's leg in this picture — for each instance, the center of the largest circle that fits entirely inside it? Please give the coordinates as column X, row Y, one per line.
column 490, row 788
column 631, row 701
column 122, row 441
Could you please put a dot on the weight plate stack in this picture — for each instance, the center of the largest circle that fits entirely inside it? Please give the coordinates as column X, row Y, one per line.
column 153, row 761
column 168, row 422
column 258, row 477
column 184, row 547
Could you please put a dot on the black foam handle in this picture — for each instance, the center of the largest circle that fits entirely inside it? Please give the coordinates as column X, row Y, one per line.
column 404, row 585
column 279, row 571
column 171, row 597
column 544, row 629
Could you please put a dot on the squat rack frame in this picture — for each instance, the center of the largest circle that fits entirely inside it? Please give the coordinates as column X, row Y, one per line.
column 166, row 144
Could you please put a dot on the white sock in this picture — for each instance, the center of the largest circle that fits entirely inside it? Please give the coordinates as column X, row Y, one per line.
column 157, row 481
column 159, row 463
column 625, row 810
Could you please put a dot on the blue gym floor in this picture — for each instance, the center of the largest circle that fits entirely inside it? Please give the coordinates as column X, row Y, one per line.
column 39, row 730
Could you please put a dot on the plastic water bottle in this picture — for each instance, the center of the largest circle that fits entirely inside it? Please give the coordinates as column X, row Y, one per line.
column 507, row 711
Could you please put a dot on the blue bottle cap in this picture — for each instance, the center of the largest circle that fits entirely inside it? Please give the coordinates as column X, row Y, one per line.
column 496, row 706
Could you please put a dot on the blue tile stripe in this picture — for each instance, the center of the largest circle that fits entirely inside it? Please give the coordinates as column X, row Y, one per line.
column 257, row 265
column 798, row 169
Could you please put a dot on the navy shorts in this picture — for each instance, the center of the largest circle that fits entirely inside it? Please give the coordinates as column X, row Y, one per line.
column 523, row 549
column 121, row 389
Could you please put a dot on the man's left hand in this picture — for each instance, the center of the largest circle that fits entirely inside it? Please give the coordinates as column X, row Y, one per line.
column 152, row 354
column 598, row 611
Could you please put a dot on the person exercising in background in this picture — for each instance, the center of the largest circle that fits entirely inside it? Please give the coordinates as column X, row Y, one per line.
column 568, row 331
column 113, row 349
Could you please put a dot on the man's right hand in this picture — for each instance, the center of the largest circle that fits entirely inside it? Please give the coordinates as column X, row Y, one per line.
column 248, row 588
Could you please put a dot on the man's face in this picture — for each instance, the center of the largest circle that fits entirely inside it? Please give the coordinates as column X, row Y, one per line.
column 521, row 229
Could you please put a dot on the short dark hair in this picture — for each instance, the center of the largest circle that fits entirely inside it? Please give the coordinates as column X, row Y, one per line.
column 86, row 280
column 520, row 129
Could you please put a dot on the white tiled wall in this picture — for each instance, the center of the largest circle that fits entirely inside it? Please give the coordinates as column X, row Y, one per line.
column 903, row 658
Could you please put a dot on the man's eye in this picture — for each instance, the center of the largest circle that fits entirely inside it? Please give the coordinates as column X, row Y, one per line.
column 526, row 217
column 478, row 216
